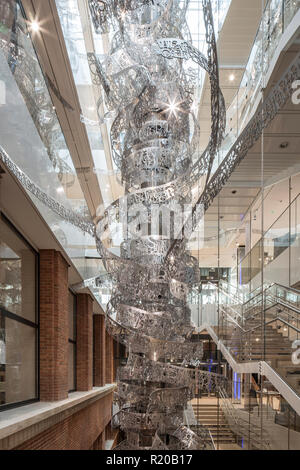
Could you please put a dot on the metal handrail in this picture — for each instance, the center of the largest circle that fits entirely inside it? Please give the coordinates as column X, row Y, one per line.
column 278, row 299
column 241, row 425
column 265, row 324
column 273, row 321
column 288, row 306
column 277, row 302
column 297, row 291
column 234, row 321
column 270, row 228
column 212, row 440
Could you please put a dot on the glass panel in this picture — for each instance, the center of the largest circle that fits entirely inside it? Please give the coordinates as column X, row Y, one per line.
column 256, row 215
column 291, row 7
column 295, row 185
column 17, row 361
column 17, row 274
column 245, row 274
column 30, row 127
column 72, row 316
column 276, row 252
column 295, row 244
column 71, row 366
column 276, row 200
column 277, row 17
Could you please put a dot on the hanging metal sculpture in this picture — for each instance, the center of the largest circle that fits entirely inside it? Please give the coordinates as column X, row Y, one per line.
column 149, row 88
column 147, row 83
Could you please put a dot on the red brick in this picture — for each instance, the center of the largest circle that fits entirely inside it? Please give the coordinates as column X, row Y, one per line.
column 53, row 326
column 83, row 430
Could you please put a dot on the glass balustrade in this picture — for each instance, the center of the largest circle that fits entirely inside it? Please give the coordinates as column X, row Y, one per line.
column 279, row 250
column 277, row 17
column 39, row 147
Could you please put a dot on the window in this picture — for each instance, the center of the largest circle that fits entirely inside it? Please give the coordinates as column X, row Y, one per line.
column 72, row 342
column 18, row 318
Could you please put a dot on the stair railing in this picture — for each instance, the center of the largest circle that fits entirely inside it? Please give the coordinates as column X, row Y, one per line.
column 241, row 427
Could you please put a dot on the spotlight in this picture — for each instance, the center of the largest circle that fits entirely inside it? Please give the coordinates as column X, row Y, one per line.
column 231, row 77
column 172, row 108
column 34, row 26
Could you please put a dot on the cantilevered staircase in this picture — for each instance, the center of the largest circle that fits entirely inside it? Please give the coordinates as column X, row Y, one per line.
column 257, row 333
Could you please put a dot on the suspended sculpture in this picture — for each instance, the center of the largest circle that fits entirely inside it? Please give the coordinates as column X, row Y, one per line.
column 154, row 138
column 149, row 88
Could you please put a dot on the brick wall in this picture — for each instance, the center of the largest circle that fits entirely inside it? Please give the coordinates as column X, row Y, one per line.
column 77, row 432
column 83, row 428
column 53, row 326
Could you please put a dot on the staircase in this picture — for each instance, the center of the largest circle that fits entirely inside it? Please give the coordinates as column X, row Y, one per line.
column 276, row 345
column 210, row 415
column 249, row 342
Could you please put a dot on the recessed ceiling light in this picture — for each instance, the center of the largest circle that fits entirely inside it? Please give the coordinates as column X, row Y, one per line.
column 34, row 26
column 231, row 77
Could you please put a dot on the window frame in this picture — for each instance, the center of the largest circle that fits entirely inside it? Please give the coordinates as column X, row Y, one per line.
column 36, row 325
column 73, row 341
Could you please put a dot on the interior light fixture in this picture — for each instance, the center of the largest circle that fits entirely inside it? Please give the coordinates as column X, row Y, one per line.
column 172, row 108
column 231, row 77
column 34, row 26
